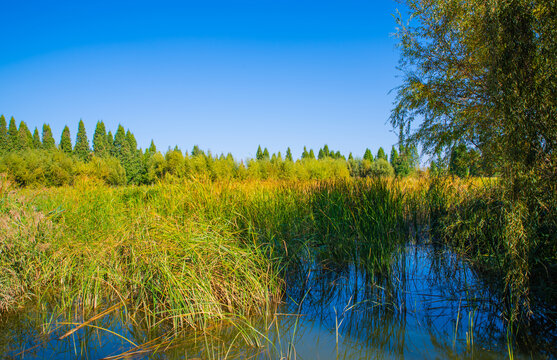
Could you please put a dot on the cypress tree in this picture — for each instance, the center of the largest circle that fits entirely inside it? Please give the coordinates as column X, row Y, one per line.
column 109, row 143
column 100, row 141
column 311, row 154
column 368, row 156
column 320, row 154
column 36, row 139
column 381, row 154
column 305, row 153
column 13, row 136
column 119, row 143
column 289, row 154
column 259, row 153
column 152, row 148
column 326, row 152
column 25, row 136
column 4, row 145
column 48, row 140
column 66, row 141
column 265, row 154
column 82, row 149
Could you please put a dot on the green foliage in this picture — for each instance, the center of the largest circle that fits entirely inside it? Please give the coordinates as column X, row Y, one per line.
column 368, row 156
column 82, row 149
column 381, row 154
column 48, row 140
column 266, row 154
column 66, row 141
column 13, row 136
column 37, row 139
column 25, row 137
column 100, row 140
column 4, row 143
column 311, row 154
column 458, row 164
column 259, row 153
column 288, row 155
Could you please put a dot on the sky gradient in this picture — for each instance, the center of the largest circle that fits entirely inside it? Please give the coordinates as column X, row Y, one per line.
column 226, row 76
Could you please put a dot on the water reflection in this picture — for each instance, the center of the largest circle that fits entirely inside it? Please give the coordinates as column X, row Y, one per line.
column 431, row 306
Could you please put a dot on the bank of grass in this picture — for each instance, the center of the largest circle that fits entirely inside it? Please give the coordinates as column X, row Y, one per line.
column 190, row 254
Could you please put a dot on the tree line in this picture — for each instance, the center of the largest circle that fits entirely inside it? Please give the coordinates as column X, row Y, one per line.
column 33, row 158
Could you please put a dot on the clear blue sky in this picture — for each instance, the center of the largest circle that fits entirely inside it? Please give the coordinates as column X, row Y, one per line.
column 226, row 75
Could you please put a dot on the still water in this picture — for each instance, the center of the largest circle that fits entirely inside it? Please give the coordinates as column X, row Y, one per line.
column 432, row 306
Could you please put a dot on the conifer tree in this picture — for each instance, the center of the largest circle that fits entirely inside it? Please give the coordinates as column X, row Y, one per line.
column 66, row 141
column 13, row 135
column 311, row 154
column 196, row 151
column 326, row 151
column 394, row 158
column 82, row 149
column 152, row 148
column 119, row 144
column 109, row 143
column 338, row 155
column 36, row 139
column 320, row 154
column 265, row 154
column 305, row 154
column 350, row 157
column 4, row 145
column 279, row 156
column 289, row 154
column 25, row 136
column 368, row 156
column 100, row 141
column 381, row 154
column 48, row 140
column 259, row 153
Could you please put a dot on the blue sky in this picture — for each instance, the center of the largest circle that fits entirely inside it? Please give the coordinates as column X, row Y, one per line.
column 227, row 76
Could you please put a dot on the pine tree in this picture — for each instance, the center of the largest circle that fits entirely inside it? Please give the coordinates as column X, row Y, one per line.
column 119, row 144
column 4, row 145
column 82, row 149
column 259, row 153
column 381, row 154
column 350, row 157
column 48, row 140
column 100, row 144
column 36, row 139
column 320, row 154
column 279, row 156
column 265, row 154
column 109, row 143
column 13, row 136
column 289, row 154
column 311, row 154
column 338, row 155
column 66, row 141
column 305, row 153
column 326, row 152
column 152, row 148
column 368, row 156
column 25, row 136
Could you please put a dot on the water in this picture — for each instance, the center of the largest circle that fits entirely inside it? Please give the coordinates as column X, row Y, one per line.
column 432, row 306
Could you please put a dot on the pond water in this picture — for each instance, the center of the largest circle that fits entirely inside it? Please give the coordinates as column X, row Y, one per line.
column 432, row 306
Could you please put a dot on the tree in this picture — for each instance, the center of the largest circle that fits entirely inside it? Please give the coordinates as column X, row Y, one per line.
column 48, row 140
column 289, row 154
column 265, row 154
column 259, row 153
column 326, row 152
column 368, row 156
column 109, row 143
column 320, row 154
column 36, row 139
column 66, row 141
column 381, row 154
column 483, row 73
column 119, row 144
column 350, row 157
column 100, row 144
column 13, row 135
column 81, row 149
column 25, row 137
column 4, row 145
column 311, row 154
column 305, row 153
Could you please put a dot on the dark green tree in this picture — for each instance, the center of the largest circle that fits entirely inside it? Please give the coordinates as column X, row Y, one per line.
column 326, row 152
column 320, row 154
column 288, row 154
column 66, row 141
column 109, row 143
column 36, row 139
column 48, row 140
column 368, row 156
column 265, row 154
column 82, row 149
column 152, row 148
column 311, row 154
column 25, row 137
column 100, row 144
column 119, row 144
column 4, row 144
column 305, row 153
column 259, row 153
column 381, row 154
column 350, row 157
column 13, row 135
